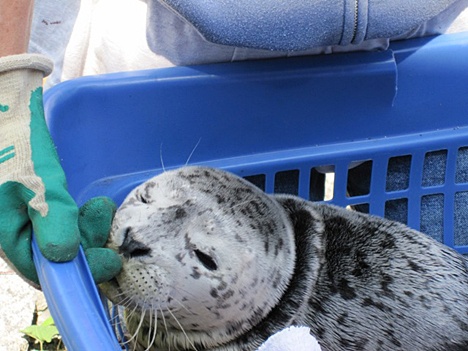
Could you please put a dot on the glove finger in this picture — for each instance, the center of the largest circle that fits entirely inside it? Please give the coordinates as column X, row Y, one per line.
column 54, row 213
column 95, row 221
column 57, row 233
column 104, row 264
column 17, row 250
column 15, row 231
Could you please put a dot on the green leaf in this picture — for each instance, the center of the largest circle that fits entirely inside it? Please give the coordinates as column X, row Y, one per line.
column 49, row 321
column 41, row 333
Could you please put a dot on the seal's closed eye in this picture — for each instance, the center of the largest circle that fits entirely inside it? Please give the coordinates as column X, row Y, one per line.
column 141, row 198
column 206, row 260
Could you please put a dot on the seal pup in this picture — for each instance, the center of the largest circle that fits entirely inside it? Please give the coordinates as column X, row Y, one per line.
column 211, row 262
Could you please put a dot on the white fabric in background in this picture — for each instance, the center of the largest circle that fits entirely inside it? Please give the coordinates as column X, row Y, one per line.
column 90, row 37
column 291, row 339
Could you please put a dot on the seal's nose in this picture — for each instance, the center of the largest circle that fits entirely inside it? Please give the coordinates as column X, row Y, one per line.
column 132, row 248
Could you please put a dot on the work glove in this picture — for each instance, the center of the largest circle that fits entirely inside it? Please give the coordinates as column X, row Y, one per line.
column 95, row 222
column 33, row 191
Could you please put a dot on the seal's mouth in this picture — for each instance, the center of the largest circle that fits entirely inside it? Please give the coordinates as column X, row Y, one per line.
column 113, row 291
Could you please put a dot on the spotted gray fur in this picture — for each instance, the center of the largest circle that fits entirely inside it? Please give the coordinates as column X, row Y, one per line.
column 359, row 282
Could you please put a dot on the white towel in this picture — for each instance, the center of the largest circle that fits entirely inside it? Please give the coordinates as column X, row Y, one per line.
column 291, row 339
column 122, row 35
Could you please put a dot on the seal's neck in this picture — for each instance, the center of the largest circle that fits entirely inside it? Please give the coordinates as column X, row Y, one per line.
column 308, row 233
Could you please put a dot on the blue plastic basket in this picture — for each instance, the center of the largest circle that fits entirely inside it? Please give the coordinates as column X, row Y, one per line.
column 275, row 122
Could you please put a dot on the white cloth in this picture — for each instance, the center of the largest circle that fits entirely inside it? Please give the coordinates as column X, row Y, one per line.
column 291, row 339
column 53, row 22
column 101, row 36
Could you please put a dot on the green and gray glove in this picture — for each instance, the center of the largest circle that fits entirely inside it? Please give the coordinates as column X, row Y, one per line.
column 33, row 191
column 95, row 223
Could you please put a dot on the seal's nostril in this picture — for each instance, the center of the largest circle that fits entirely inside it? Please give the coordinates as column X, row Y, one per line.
column 134, row 249
column 131, row 248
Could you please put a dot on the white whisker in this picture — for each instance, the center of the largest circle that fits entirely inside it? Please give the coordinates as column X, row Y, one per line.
column 125, row 301
column 153, row 338
column 148, row 337
column 191, row 154
column 161, row 157
column 187, row 292
column 241, row 204
column 165, row 327
column 135, row 335
column 137, row 330
column 182, row 305
column 193, row 295
column 121, row 293
column 182, row 328
column 115, row 320
column 132, row 312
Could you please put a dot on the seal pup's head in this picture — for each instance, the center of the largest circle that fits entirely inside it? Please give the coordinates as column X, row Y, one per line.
column 206, row 255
